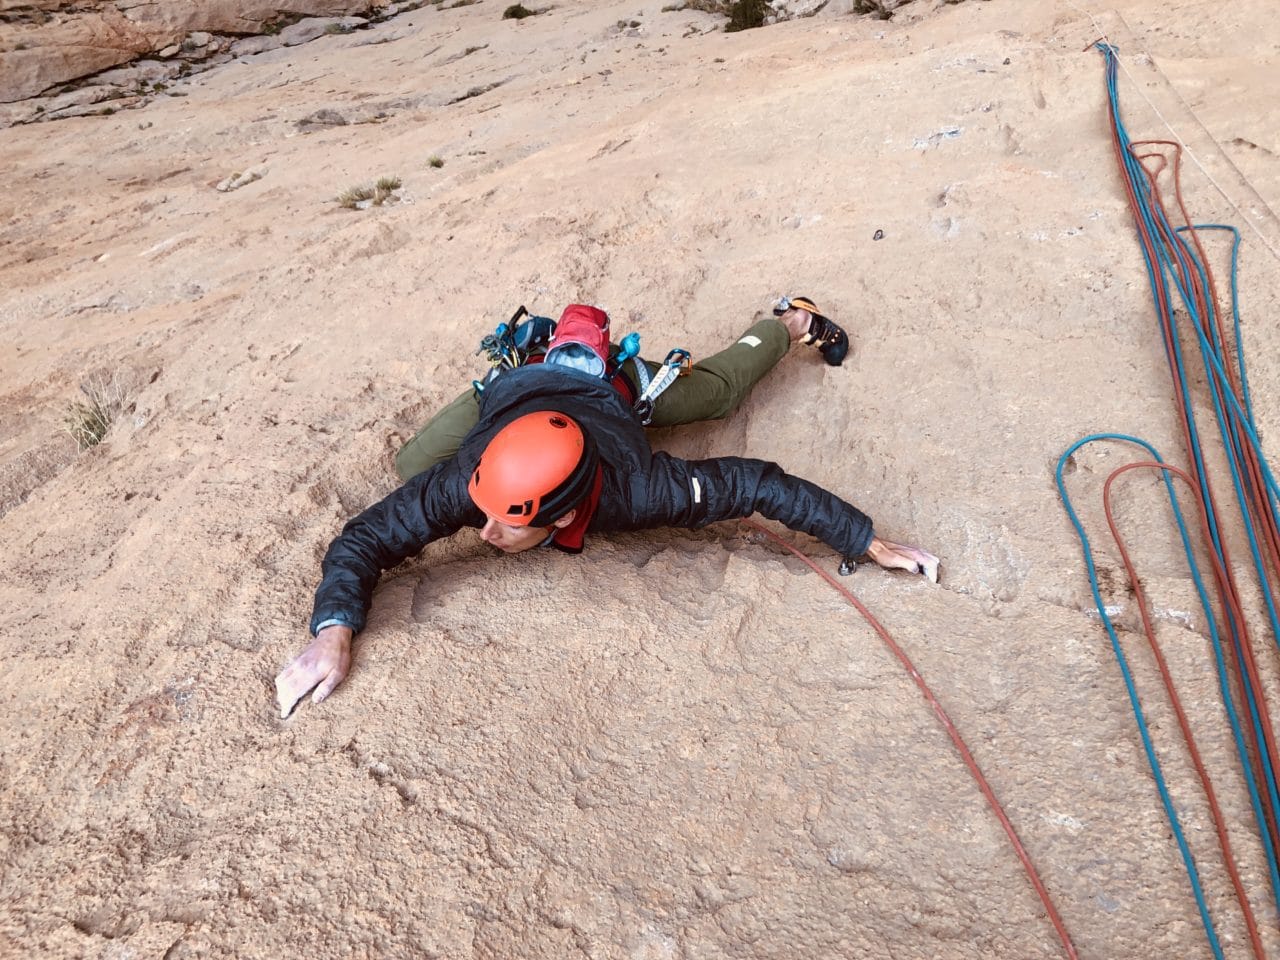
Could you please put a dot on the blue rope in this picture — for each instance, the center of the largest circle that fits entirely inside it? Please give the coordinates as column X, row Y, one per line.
column 1153, row 218
column 1215, row 637
column 1231, row 439
column 1134, row 702
column 1219, row 380
column 1175, row 260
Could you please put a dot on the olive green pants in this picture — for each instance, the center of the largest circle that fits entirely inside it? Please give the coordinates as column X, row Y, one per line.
column 712, row 389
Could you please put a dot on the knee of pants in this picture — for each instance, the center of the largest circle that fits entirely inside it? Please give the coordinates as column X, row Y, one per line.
column 440, row 439
column 408, row 464
column 420, row 454
column 700, row 396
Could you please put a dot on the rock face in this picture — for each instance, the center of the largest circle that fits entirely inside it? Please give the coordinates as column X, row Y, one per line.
column 52, row 42
column 678, row 744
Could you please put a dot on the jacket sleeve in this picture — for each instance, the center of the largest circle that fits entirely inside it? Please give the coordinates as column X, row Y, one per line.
column 693, row 493
column 432, row 505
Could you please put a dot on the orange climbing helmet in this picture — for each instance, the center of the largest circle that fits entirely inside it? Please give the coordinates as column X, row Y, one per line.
column 535, row 470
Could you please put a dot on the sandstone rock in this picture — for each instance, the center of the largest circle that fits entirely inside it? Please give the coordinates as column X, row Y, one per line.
column 248, row 46
column 794, row 9
column 12, row 114
column 65, row 40
column 321, row 119
column 104, row 107
column 141, row 71
column 676, row 745
column 75, row 98
column 94, row 44
column 304, row 31
column 242, row 179
column 191, row 53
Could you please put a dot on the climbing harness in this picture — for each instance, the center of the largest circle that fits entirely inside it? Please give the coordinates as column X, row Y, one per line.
column 515, row 343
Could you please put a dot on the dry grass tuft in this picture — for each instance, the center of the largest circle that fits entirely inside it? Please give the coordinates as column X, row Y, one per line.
column 363, row 195
column 87, row 421
column 352, row 197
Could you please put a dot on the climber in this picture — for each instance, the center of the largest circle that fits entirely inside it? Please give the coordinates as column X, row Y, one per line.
column 557, row 449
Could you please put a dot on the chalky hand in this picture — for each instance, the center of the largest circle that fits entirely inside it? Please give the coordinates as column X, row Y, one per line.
column 899, row 556
column 320, row 667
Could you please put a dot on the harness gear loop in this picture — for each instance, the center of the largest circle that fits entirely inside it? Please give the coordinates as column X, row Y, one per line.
column 500, row 346
column 514, row 343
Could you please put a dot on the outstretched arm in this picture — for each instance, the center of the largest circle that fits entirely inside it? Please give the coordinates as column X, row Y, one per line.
column 693, row 493
column 430, row 506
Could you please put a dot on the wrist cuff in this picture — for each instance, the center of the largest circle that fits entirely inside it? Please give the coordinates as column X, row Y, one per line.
column 332, row 622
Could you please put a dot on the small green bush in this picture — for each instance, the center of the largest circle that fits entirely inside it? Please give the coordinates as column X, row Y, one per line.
column 435, row 161
column 518, row 11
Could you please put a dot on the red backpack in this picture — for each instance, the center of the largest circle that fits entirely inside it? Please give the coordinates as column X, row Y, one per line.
column 586, row 326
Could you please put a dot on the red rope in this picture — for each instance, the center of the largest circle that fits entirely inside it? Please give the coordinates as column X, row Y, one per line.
column 1140, row 596
column 952, row 732
column 1154, row 165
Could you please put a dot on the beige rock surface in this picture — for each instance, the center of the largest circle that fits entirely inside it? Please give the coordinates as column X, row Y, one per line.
column 679, row 744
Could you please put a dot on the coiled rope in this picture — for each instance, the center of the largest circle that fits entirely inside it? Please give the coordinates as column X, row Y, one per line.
column 1135, row 703
column 1176, row 263
column 1169, row 258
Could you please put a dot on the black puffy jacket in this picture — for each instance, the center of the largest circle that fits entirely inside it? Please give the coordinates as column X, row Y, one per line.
column 641, row 490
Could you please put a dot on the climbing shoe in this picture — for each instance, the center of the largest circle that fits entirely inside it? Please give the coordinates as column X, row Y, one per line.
column 829, row 337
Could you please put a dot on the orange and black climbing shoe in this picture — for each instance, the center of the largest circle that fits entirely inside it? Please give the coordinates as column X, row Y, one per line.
column 829, row 337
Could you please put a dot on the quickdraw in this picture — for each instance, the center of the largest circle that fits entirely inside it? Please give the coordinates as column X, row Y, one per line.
column 500, row 346
column 678, row 363
column 512, row 343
